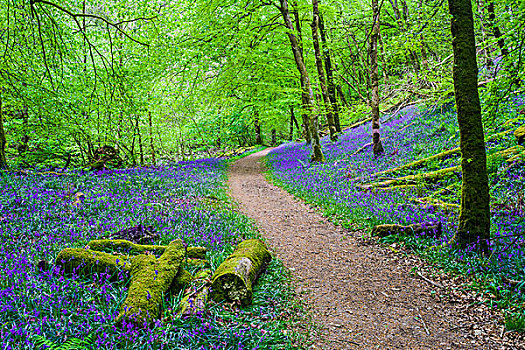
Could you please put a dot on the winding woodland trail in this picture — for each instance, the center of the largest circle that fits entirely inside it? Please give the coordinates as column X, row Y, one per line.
column 362, row 294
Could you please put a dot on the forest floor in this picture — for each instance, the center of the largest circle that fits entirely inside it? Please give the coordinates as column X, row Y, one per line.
column 362, row 295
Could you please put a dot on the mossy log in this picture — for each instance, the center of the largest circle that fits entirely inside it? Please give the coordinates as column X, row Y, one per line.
column 519, row 134
column 182, row 279
column 199, row 263
column 196, row 296
column 437, row 203
column 430, row 176
column 124, row 246
column 419, row 162
column 398, row 187
column 151, row 279
column 424, row 228
column 233, row 279
column 86, row 261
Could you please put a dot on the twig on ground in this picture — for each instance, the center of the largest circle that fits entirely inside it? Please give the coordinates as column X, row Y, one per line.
column 430, row 281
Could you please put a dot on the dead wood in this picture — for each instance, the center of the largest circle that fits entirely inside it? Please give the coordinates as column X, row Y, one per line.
column 428, row 228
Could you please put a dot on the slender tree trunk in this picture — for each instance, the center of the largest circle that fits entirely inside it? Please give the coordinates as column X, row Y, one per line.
column 152, row 147
column 141, row 148
column 3, row 141
column 474, row 218
column 292, row 117
column 320, row 71
column 342, row 96
column 317, row 154
column 374, row 81
column 329, row 75
column 304, row 94
column 257, row 125
column 274, row 137
column 495, row 28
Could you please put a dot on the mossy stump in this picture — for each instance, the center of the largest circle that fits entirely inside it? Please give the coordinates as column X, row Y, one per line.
column 234, row 278
column 428, row 228
column 151, row 279
column 85, row 262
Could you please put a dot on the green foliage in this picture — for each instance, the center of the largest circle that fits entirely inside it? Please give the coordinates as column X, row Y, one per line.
column 88, row 343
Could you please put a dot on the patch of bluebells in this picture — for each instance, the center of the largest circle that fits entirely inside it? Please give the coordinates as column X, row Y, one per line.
column 411, row 135
column 41, row 214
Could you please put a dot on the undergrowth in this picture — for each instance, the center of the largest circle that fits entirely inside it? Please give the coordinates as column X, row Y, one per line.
column 43, row 213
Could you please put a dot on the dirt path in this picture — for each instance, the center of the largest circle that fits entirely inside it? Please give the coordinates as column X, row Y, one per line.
column 364, row 295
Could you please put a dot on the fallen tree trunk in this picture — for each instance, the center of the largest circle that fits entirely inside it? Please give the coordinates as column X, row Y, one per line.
column 418, row 162
column 428, row 228
column 127, row 247
column 85, row 262
column 151, row 279
column 234, row 278
column 194, row 300
column 433, row 175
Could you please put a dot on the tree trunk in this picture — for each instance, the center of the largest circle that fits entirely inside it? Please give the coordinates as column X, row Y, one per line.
column 374, row 81
column 141, row 148
column 304, row 94
column 495, row 28
column 151, row 139
column 151, row 279
column 317, row 154
column 474, row 219
column 292, row 117
column 274, row 137
column 3, row 160
column 234, row 278
column 257, row 125
column 329, row 75
column 320, row 71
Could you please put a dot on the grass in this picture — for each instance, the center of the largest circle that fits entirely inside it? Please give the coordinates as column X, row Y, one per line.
column 40, row 214
column 416, row 134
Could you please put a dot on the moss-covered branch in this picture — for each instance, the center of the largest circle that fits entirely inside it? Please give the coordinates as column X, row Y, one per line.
column 85, row 262
column 430, row 176
column 151, row 279
column 120, row 245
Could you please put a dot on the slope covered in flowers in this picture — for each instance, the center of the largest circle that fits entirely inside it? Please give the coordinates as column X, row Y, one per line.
column 40, row 214
column 408, row 136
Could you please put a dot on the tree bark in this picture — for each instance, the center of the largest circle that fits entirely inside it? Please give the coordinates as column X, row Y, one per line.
column 151, row 139
column 374, row 81
column 317, row 154
column 495, row 28
column 474, row 219
column 320, row 71
column 304, row 95
column 3, row 141
column 141, row 148
column 329, row 75
column 257, row 126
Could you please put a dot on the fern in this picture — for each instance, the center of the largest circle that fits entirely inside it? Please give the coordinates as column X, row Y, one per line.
column 71, row 344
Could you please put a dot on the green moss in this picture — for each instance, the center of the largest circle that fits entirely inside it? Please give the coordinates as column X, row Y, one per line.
column 195, row 299
column 520, row 135
column 233, row 279
column 151, row 279
column 120, row 245
column 87, row 261
column 182, row 279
